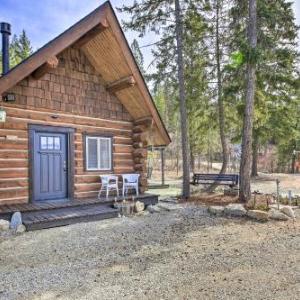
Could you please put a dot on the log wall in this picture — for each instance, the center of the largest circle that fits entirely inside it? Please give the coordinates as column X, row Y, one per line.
column 72, row 95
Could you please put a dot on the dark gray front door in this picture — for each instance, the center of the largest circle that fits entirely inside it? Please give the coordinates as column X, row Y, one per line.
column 50, row 166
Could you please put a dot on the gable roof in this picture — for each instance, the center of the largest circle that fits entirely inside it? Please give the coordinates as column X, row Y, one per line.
column 100, row 37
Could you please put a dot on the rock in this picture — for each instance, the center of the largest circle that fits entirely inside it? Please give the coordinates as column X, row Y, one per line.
column 4, row 225
column 275, row 214
column 139, row 206
column 21, row 228
column 235, row 210
column 258, row 215
column 153, row 209
column 16, row 220
column 288, row 211
column 168, row 206
column 216, row 210
column 143, row 213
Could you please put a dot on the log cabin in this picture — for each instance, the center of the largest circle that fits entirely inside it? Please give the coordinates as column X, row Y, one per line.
column 75, row 109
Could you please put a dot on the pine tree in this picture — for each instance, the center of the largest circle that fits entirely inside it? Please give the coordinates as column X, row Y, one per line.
column 166, row 18
column 245, row 166
column 216, row 16
column 276, row 70
column 23, row 47
column 14, row 59
column 223, row 137
column 19, row 49
column 182, row 102
column 138, row 55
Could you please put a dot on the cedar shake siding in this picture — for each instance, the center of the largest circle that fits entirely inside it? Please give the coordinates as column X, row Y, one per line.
column 72, row 95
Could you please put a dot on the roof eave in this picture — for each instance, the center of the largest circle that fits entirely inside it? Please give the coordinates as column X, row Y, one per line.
column 119, row 34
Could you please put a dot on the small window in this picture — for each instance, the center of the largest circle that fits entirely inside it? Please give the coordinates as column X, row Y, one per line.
column 49, row 143
column 98, row 153
column 43, row 142
column 57, row 143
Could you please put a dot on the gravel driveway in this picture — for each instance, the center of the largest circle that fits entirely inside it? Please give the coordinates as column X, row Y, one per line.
column 182, row 254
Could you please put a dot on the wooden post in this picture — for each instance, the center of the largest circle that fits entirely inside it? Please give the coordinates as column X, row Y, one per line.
column 278, row 195
column 162, row 157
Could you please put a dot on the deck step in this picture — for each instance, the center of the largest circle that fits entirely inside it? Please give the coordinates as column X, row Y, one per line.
column 70, row 215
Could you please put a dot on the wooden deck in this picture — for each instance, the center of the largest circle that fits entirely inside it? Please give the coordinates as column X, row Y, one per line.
column 58, row 213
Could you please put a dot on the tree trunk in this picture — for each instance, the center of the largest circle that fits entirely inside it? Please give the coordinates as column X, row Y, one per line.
column 192, row 159
column 182, row 101
column 208, row 155
column 224, row 143
column 177, row 149
column 162, row 157
column 245, row 167
column 166, row 94
column 293, row 164
column 223, row 138
column 207, row 161
column 254, row 172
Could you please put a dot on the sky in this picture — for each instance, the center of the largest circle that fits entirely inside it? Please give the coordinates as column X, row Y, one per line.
column 43, row 20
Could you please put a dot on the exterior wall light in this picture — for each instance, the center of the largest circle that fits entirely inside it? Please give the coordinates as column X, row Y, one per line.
column 9, row 97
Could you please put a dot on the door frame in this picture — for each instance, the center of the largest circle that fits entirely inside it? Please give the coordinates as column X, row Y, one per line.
column 32, row 129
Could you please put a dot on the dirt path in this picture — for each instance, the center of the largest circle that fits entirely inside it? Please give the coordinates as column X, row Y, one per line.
column 183, row 254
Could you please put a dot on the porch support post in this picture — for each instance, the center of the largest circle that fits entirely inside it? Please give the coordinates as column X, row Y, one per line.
column 162, row 158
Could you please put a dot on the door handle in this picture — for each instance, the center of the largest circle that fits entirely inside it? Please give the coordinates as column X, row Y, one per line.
column 65, row 166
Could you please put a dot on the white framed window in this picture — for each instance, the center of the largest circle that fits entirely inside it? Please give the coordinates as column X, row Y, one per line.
column 98, row 152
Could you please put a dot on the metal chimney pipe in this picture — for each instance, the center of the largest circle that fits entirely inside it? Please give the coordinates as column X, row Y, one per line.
column 5, row 30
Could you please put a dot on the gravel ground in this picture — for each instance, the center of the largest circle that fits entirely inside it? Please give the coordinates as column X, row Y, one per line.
column 182, row 254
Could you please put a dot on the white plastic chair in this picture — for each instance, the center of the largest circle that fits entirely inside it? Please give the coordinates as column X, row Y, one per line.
column 108, row 183
column 130, row 181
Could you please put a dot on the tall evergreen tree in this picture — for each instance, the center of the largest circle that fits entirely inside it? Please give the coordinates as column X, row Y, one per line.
column 138, row 55
column 215, row 87
column 182, row 102
column 19, row 49
column 276, row 70
column 224, row 142
column 245, row 166
column 23, row 47
column 166, row 18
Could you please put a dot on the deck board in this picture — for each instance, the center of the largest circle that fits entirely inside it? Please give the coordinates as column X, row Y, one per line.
column 27, row 207
column 51, row 214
